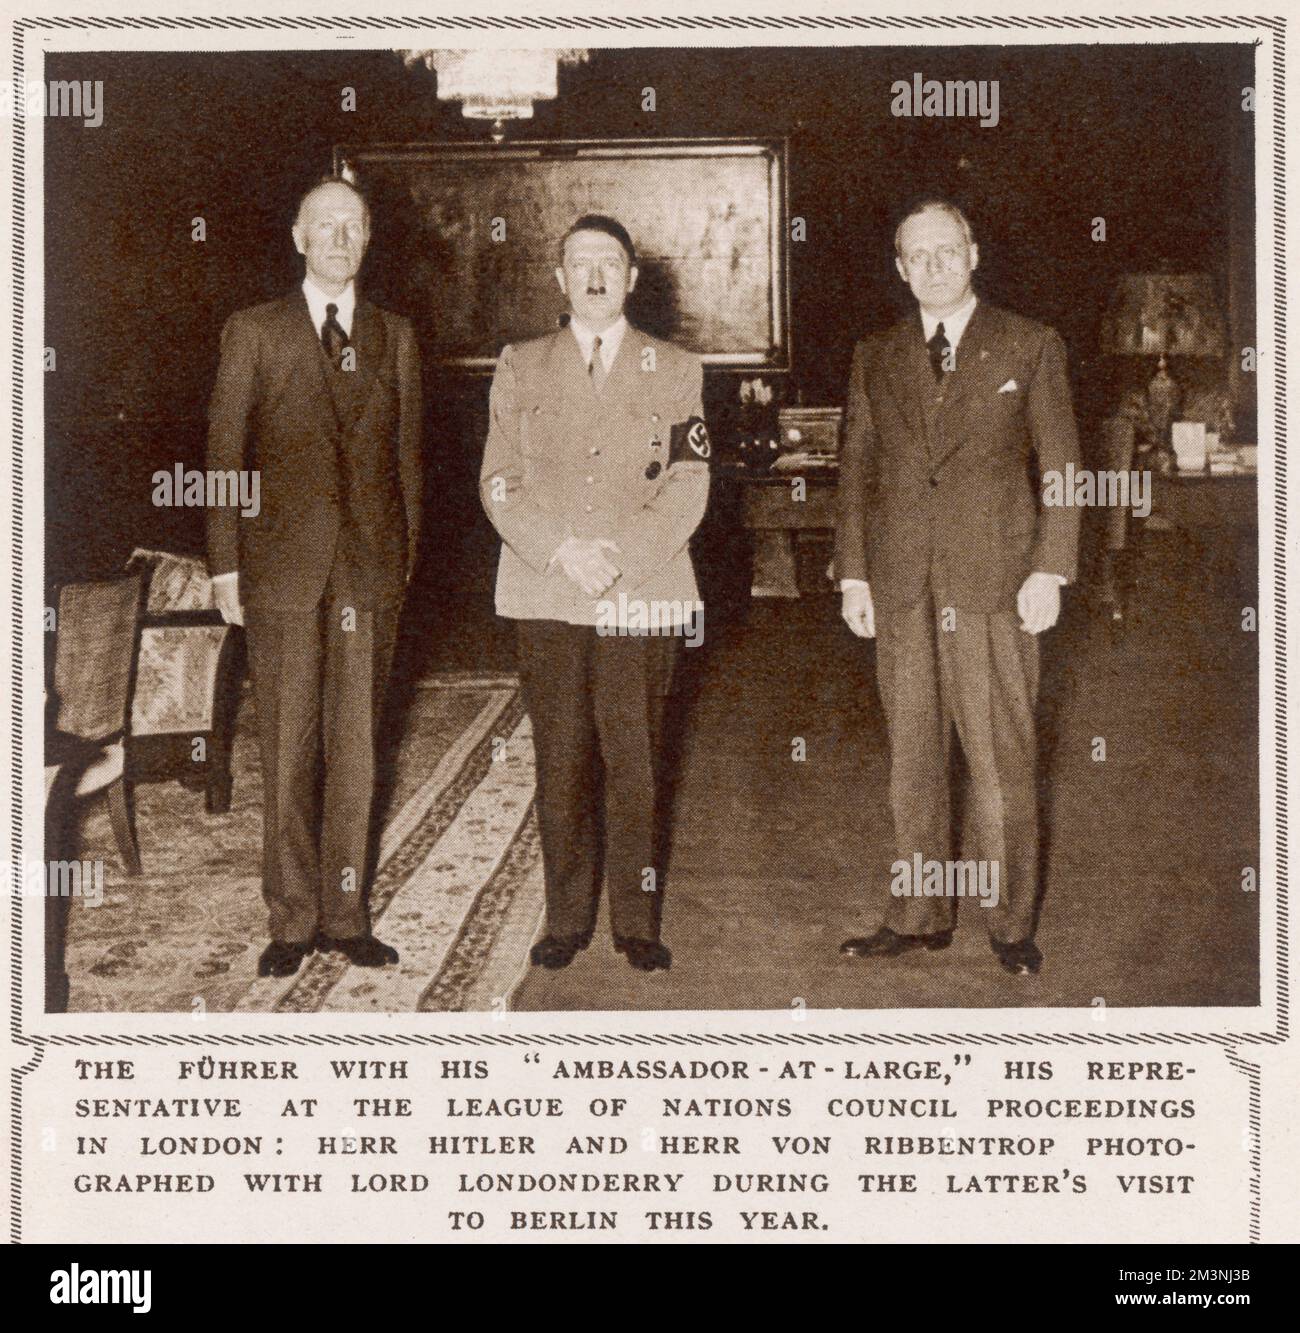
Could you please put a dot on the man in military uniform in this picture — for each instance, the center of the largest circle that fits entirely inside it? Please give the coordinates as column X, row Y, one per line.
column 595, row 474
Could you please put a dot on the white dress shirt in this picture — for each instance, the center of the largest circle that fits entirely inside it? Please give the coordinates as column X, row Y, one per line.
column 317, row 300
column 346, row 301
column 610, row 340
column 954, row 326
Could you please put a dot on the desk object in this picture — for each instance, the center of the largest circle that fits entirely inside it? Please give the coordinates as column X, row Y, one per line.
column 811, row 432
column 1211, row 516
column 778, row 510
column 1189, row 440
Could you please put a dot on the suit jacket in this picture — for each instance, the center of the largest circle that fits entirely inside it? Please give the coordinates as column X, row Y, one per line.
column 338, row 453
column 935, row 479
column 562, row 460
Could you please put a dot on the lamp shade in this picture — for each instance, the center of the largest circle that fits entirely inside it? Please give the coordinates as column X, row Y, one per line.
column 1170, row 313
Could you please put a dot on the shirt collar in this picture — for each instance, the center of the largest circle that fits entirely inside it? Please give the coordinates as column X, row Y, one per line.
column 610, row 341
column 346, row 301
column 955, row 324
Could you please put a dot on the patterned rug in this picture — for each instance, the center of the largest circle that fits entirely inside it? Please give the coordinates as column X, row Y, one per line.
column 458, row 891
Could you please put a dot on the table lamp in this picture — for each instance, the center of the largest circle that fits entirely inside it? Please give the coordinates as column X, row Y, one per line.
column 1163, row 315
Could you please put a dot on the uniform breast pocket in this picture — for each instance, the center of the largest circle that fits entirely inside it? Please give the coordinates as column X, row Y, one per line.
column 538, row 424
column 645, row 431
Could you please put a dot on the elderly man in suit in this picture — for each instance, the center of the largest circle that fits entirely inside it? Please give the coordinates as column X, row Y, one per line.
column 320, row 391
column 945, row 556
column 595, row 474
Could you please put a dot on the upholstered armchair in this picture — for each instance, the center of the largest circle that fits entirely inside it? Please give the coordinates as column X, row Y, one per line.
column 188, row 673
column 88, row 710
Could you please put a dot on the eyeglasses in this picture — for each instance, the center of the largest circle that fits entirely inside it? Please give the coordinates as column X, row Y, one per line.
column 946, row 256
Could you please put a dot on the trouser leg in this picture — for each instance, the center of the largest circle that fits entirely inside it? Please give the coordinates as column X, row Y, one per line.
column 554, row 662
column 630, row 681
column 358, row 654
column 989, row 669
column 284, row 657
column 907, row 666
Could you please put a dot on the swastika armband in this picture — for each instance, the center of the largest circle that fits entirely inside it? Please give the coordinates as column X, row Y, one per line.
column 689, row 442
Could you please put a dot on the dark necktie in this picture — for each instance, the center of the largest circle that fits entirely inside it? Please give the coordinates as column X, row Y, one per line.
column 939, row 349
column 597, row 367
column 332, row 337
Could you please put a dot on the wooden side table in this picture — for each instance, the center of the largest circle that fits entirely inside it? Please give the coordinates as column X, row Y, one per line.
column 1211, row 514
column 777, row 511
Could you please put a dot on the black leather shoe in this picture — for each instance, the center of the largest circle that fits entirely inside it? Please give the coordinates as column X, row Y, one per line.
column 645, row 955
column 1021, row 959
column 886, row 943
column 556, row 951
column 281, row 958
column 360, row 950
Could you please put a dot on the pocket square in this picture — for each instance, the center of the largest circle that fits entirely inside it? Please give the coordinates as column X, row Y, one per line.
column 1009, row 387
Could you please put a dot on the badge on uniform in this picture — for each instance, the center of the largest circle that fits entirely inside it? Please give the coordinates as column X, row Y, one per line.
column 689, row 442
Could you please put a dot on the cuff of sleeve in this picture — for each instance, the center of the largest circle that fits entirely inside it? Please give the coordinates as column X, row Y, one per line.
column 846, row 584
column 226, row 579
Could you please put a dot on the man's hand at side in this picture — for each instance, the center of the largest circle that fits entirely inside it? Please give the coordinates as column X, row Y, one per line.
column 587, row 563
column 1039, row 602
column 225, row 592
column 858, row 610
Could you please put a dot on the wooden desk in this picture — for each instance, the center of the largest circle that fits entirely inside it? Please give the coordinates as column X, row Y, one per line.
column 1212, row 519
column 1200, row 501
column 776, row 510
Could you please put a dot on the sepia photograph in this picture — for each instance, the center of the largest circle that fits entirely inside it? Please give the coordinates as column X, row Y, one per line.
column 652, row 528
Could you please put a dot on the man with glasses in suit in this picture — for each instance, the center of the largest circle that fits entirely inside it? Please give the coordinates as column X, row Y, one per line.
column 948, row 559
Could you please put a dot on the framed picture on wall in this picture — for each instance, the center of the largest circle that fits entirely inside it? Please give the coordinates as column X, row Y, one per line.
column 465, row 239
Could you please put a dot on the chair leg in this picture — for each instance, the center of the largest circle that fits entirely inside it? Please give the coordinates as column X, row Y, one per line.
column 1110, row 591
column 218, row 779
column 225, row 706
column 119, row 815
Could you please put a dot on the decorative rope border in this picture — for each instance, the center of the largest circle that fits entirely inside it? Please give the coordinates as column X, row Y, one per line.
column 848, row 23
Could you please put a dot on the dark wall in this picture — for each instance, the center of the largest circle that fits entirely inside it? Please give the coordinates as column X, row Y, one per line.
column 1153, row 139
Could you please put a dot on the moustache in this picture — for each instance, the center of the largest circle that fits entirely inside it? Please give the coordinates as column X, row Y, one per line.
column 596, row 291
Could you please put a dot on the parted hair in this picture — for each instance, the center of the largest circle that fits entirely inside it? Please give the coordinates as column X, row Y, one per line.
column 610, row 226
column 923, row 204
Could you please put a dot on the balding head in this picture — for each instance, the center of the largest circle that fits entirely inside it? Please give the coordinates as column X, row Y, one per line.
column 331, row 232
column 331, row 186
column 935, row 255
